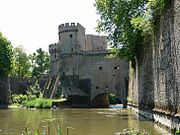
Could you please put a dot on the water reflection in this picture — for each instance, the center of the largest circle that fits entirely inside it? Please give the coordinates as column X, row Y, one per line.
column 83, row 121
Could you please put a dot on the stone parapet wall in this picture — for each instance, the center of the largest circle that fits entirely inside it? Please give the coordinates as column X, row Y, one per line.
column 68, row 27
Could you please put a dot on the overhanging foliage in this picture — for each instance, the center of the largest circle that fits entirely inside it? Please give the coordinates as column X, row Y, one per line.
column 129, row 23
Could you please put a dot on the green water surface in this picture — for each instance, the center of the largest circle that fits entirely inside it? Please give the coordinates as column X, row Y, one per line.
column 83, row 121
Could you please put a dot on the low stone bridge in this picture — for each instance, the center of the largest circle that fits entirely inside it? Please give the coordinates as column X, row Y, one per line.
column 81, row 92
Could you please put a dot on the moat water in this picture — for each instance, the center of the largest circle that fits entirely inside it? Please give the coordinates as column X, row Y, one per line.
column 82, row 121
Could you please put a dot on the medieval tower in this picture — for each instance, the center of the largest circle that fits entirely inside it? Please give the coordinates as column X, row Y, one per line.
column 86, row 75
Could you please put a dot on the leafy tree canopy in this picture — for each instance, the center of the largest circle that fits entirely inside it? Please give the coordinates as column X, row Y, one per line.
column 129, row 23
column 40, row 62
column 21, row 62
column 5, row 56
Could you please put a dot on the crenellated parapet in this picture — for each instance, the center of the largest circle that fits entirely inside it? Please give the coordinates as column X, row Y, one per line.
column 69, row 27
column 53, row 48
column 71, row 37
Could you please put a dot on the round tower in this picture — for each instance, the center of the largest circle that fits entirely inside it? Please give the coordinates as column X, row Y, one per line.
column 71, row 38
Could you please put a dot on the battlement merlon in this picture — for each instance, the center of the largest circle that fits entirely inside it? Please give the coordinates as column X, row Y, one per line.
column 53, row 48
column 70, row 27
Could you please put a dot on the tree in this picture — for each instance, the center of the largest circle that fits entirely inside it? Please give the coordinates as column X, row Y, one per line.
column 129, row 23
column 40, row 61
column 5, row 56
column 5, row 69
column 21, row 62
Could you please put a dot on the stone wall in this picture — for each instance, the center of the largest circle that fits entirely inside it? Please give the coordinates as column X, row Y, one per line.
column 167, row 60
column 141, row 83
column 106, row 75
column 95, row 42
column 4, row 92
column 155, row 80
column 21, row 85
column 100, row 73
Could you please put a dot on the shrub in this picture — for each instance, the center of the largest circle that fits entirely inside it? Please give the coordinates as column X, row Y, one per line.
column 39, row 103
column 113, row 99
column 47, row 103
column 31, row 101
column 29, row 104
column 31, row 97
column 177, row 132
column 19, row 99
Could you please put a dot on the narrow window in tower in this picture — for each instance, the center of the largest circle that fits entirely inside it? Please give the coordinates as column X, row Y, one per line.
column 100, row 68
column 73, row 71
column 72, row 49
column 116, row 68
column 70, row 35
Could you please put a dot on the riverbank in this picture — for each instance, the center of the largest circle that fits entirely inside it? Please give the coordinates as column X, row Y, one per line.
column 169, row 121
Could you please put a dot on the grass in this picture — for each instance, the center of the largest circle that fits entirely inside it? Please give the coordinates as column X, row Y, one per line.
column 31, row 101
column 41, row 103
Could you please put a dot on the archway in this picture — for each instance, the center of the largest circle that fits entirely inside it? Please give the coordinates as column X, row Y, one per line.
column 101, row 100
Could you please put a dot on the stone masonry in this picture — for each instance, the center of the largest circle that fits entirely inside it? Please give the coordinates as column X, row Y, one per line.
column 80, row 62
column 155, row 81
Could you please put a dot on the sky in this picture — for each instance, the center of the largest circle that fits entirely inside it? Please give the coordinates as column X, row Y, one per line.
column 34, row 23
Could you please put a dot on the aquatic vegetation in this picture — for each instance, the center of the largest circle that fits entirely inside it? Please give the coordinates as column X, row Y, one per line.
column 47, row 132
column 132, row 131
column 28, row 132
